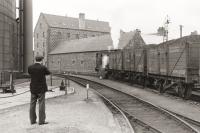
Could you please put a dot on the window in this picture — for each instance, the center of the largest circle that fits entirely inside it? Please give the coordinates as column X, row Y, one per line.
column 73, row 61
column 43, row 34
column 82, row 62
column 43, row 44
column 77, row 36
column 37, row 35
column 37, row 45
column 43, row 53
column 93, row 35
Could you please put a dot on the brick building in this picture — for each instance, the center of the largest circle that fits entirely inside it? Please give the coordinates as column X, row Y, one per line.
column 50, row 30
column 73, row 56
column 130, row 39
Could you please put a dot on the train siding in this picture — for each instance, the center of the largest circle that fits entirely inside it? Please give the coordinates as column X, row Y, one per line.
column 172, row 65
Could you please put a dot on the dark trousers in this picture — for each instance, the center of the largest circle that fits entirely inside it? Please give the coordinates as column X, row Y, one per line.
column 41, row 100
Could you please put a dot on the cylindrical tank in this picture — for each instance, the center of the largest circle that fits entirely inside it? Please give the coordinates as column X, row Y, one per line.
column 28, row 34
column 9, row 47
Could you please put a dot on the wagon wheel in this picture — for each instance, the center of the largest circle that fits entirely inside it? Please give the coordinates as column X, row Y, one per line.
column 181, row 90
column 160, row 89
column 150, row 82
column 130, row 78
column 188, row 92
column 158, row 85
column 155, row 84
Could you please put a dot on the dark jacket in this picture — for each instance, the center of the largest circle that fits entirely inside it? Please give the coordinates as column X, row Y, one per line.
column 38, row 79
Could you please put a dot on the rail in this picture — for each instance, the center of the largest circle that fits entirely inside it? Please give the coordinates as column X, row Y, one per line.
column 153, row 117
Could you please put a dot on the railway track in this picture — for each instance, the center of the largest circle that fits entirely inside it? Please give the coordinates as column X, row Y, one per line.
column 143, row 116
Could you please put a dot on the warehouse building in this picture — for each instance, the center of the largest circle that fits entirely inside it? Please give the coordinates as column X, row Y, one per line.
column 50, row 30
column 78, row 56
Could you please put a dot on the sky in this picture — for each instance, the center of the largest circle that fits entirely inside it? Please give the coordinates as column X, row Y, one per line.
column 128, row 15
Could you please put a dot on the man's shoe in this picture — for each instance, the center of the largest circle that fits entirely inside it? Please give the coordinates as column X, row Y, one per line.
column 33, row 123
column 43, row 123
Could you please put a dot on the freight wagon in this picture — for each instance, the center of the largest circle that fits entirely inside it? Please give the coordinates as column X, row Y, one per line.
column 175, row 65
column 172, row 65
column 127, row 64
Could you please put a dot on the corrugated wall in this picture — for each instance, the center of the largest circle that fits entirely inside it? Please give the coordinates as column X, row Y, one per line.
column 9, row 46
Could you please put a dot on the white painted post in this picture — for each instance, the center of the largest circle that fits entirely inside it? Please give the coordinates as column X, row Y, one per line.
column 87, row 88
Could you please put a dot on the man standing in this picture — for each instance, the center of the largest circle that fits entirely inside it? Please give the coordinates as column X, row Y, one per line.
column 38, row 87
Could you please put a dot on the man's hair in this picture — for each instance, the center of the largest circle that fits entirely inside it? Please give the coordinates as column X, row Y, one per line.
column 39, row 58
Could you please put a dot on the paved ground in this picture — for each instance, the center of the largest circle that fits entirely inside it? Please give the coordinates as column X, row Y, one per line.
column 177, row 105
column 65, row 114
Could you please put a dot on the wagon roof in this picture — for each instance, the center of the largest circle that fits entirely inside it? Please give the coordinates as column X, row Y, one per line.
column 190, row 38
column 98, row 43
column 73, row 23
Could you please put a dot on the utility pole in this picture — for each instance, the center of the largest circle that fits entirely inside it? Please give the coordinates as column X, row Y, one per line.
column 181, row 30
column 166, row 28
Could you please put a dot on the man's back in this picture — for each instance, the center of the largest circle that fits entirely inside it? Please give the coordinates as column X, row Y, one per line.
column 38, row 80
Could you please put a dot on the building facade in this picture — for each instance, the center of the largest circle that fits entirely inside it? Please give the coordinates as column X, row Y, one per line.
column 130, row 39
column 74, row 57
column 9, row 45
column 50, row 30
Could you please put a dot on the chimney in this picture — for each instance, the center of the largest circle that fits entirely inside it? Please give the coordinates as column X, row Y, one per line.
column 81, row 21
column 138, row 31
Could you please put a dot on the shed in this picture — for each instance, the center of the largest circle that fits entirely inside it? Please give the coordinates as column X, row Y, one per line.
column 78, row 56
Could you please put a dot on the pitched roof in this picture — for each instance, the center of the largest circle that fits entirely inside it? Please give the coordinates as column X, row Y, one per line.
column 73, row 23
column 97, row 43
column 129, row 39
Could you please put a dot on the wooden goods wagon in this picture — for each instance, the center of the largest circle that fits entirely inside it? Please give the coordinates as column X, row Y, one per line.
column 134, row 59
column 176, row 65
column 153, row 66
column 128, row 59
column 115, row 60
column 140, row 59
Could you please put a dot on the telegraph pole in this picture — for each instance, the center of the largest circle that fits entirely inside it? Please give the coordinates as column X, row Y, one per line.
column 166, row 27
column 181, row 30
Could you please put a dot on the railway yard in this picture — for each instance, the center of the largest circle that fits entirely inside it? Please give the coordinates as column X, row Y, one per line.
column 125, row 108
column 145, row 81
column 138, row 89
